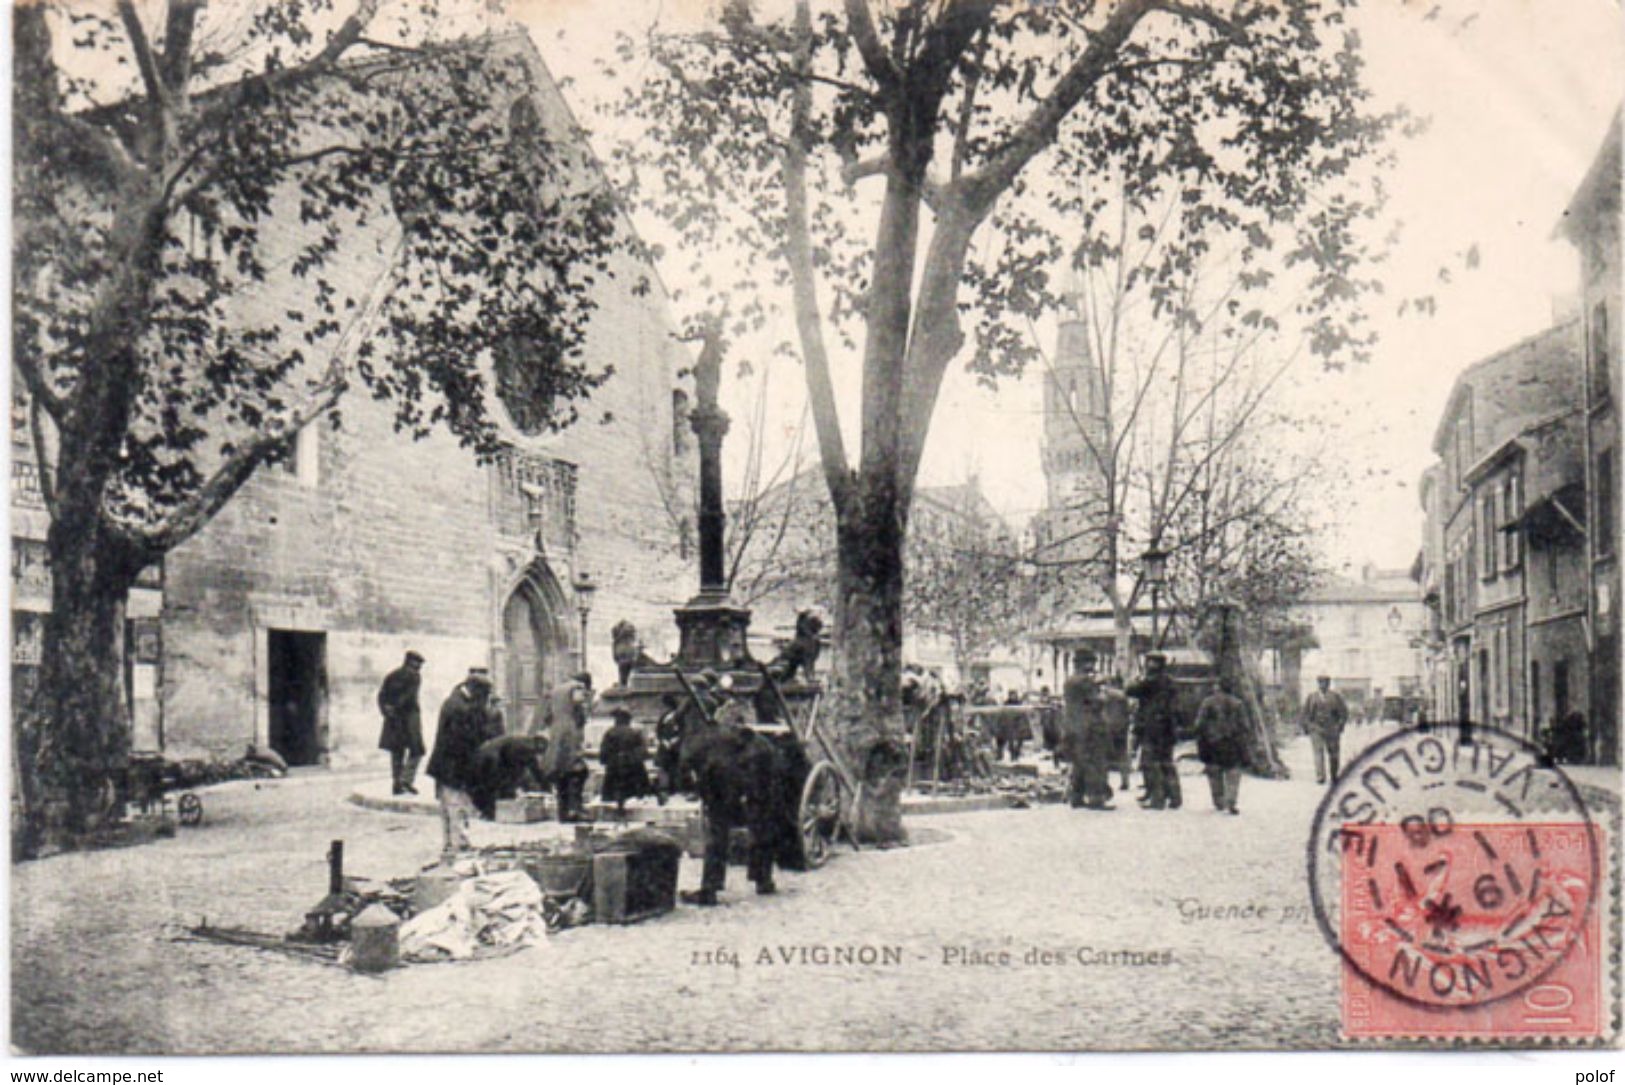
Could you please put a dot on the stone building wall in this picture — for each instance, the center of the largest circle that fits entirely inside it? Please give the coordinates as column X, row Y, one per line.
column 379, row 543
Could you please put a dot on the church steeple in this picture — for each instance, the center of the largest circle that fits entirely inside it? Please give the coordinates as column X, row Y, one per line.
column 1075, row 434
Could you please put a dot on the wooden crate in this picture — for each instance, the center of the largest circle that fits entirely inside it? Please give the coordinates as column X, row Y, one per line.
column 524, row 810
column 629, row 886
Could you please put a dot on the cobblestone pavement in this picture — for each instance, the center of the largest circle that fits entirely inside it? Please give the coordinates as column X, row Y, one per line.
column 94, row 969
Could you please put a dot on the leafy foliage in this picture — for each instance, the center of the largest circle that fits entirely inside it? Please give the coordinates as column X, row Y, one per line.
column 224, row 221
column 989, row 130
column 208, row 263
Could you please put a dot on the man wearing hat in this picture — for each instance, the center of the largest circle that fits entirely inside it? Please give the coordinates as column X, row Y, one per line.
column 1157, row 727
column 466, row 723
column 1324, row 714
column 622, row 751
column 402, row 734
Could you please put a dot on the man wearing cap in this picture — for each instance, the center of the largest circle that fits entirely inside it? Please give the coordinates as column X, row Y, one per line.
column 1324, row 714
column 1157, row 728
column 466, row 723
column 402, row 733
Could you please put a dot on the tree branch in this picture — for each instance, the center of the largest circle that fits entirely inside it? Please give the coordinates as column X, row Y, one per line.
column 188, row 518
column 803, row 275
column 39, row 388
column 146, row 60
column 1206, row 16
column 178, row 29
column 983, row 186
column 870, row 47
column 348, row 35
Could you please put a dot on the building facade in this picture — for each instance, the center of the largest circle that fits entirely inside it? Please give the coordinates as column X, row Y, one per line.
column 277, row 621
column 1364, row 635
column 1592, row 224
column 1497, row 571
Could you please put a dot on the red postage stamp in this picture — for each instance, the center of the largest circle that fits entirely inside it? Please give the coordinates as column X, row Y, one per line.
column 1482, row 931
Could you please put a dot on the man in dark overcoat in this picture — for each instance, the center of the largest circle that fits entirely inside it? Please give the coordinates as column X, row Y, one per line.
column 1157, row 730
column 741, row 778
column 1221, row 743
column 503, row 766
column 402, row 733
column 622, row 751
column 466, row 723
column 1084, row 737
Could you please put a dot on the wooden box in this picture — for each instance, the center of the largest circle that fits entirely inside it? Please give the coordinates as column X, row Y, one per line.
column 628, row 886
column 524, row 809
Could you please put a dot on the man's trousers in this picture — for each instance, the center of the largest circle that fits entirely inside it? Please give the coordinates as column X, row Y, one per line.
column 1326, row 754
column 1225, row 785
column 1161, row 782
column 403, row 768
column 457, row 809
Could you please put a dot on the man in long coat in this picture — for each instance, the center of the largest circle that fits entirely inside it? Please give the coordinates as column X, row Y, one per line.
column 1324, row 714
column 623, row 751
column 1088, row 744
column 1157, row 728
column 402, row 733
column 567, row 710
column 1221, row 742
column 743, row 779
column 466, row 723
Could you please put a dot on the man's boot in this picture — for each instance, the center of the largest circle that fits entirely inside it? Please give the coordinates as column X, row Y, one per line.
column 702, row 898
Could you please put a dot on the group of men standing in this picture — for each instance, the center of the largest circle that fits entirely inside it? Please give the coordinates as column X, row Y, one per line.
column 476, row 761
column 1095, row 735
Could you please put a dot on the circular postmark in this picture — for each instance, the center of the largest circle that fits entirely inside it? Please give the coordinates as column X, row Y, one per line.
column 1452, row 867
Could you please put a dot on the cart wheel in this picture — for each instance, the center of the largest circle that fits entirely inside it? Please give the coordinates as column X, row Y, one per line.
column 190, row 808
column 820, row 814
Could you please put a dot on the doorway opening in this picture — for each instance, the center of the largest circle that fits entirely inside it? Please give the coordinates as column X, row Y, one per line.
column 537, row 648
column 297, row 691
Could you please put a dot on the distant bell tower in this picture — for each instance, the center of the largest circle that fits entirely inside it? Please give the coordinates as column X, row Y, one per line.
column 1074, row 433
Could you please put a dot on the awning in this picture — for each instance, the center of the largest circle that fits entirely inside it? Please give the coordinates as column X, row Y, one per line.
column 1556, row 517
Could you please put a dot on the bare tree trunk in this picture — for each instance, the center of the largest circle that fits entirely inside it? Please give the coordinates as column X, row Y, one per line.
column 76, row 737
column 869, row 663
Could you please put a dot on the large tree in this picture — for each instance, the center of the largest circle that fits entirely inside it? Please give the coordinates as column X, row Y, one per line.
column 1185, row 446
column 765, row 131
column 274, row 207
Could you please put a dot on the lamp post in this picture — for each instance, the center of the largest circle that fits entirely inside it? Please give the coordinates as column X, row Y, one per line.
column 1154, row 567
column 584, row 588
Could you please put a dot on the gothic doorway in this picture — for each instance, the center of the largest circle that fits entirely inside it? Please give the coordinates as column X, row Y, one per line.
column 537, row 648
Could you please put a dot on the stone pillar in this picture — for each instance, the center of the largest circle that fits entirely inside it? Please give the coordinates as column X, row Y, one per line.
column 713, row 629
column 710, row 425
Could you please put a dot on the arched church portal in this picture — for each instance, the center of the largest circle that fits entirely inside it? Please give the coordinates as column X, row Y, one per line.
column 537, row 642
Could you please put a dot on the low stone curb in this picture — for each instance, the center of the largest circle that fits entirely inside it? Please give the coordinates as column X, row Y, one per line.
column 426, row 807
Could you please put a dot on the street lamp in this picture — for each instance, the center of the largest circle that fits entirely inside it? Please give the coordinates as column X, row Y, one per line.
column 1154, row 568
column 584, row 590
